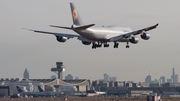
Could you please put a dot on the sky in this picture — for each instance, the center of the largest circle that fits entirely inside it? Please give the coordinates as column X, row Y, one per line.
column 20, row 49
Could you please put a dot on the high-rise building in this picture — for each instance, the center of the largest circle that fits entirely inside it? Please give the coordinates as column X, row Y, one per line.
column 148, row 79
column 106, row 77
column 176, row 78
column 26, row 74
column 162, row 80
column 69, row 77
column 173, row 76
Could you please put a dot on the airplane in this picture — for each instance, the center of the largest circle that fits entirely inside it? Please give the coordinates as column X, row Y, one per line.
column 94, row 92
column 98, row 35
column 98, row 92
column 22, row 93
column 49, row 92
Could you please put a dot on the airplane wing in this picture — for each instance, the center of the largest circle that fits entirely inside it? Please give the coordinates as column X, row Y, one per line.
column 133, row 33
column 56, row 34
column 62, row 35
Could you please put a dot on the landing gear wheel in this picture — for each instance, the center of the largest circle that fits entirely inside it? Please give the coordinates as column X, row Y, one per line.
column 99, row 44
column 106, row 45
column 127, row 46
column 116, row 45
column 94, row 46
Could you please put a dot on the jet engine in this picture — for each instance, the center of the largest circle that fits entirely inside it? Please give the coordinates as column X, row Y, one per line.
column 86, row 43
column 134, row 40
column 61, row 39
column 145, row 36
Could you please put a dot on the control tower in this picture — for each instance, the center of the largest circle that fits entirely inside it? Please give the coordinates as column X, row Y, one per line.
column 59, row 69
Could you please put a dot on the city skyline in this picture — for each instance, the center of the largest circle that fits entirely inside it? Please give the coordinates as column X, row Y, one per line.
column 38, row 52
column 107, row 77
column 173, row 78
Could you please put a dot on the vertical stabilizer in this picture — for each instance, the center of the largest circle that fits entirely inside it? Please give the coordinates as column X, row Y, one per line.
column 75, row 16
column 40, row 89
column 19, row 89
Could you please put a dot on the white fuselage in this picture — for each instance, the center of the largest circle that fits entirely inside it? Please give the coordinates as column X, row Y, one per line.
column 100, row 93
column 103, row 33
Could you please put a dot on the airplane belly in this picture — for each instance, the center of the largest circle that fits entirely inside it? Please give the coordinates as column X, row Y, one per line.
column 93, row 36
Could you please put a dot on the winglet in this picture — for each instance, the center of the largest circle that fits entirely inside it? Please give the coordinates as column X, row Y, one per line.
column 156, row 24
column 19, row 89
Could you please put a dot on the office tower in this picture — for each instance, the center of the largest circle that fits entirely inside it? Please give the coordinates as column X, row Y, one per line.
column 69, row 77
column 148, row 79
column 26, row 74
column 176, row 78
column 106, row 77
column 162, row 80
column 173, row 76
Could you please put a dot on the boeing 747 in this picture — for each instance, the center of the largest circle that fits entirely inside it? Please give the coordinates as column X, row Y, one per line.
column 98, row 36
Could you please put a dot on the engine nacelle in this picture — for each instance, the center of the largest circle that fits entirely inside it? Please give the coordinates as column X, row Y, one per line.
column 145, row 36
column 61, row 39
column 86, row 43
column 134, row 40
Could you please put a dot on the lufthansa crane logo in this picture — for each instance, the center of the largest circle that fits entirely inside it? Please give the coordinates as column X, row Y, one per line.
column 75, row 14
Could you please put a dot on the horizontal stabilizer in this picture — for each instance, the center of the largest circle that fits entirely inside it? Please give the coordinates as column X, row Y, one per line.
column 80, row 27
column 60, row 27
column 84, row 27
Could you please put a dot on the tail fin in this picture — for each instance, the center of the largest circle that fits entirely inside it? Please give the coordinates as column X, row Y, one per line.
column 94, row 90
column 40, row 89
column 75, row 16
column 19, row 89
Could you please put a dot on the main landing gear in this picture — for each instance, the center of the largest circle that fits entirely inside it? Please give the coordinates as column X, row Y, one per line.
column 127, row 46
column 98, row 45
column 116, row 45
column 106, row 45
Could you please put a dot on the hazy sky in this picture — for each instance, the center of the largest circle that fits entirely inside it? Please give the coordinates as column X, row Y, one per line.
column 20, row 49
